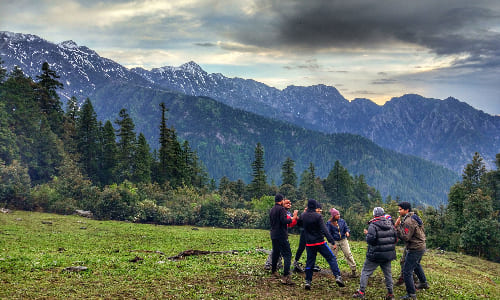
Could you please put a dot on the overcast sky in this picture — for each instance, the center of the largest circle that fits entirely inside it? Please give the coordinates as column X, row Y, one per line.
column 365, row 48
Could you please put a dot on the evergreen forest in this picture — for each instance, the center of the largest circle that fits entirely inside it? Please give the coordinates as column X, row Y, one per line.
column 63, row 159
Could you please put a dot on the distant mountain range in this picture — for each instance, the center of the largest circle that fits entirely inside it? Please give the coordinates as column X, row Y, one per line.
column 447, row 132
column 225, row 132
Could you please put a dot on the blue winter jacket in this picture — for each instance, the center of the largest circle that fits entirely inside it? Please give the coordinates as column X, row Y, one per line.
column 339, row 232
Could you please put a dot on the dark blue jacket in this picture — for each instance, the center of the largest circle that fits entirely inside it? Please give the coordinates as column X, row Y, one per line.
column 314, row 228
column 339, row 232
column 381, row 239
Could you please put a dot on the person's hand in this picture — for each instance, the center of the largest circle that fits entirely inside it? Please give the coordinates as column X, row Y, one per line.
column 398, row 221
column 365, row 231
column 295, row 213
column 347, row 234
column 334, row 246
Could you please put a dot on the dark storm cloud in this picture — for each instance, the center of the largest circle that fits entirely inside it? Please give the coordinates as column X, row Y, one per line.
column 445, row 27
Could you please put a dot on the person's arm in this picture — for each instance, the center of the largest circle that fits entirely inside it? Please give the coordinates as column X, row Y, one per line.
column 371, row 235
column 284, row 217
column 347, row 231
column 405, row 231
column 325, row 231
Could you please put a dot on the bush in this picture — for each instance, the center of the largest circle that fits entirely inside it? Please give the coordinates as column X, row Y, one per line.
column 14, row 185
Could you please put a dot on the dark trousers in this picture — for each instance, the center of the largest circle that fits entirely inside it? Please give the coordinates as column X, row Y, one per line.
column 281, row 247
column 326, row 252
column 302, row 246
column 412, row 264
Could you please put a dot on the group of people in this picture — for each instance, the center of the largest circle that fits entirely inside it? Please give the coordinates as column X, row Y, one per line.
column 381, row 237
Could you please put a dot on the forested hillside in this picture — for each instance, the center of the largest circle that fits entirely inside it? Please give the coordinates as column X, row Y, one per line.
column 225, row 138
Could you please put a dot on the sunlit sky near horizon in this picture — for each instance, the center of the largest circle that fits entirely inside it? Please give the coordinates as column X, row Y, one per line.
column 366, row 49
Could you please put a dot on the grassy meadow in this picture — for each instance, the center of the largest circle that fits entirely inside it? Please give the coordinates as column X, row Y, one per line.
column 131, row 261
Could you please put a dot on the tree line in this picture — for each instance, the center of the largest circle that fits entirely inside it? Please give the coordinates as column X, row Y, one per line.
column 59, row 160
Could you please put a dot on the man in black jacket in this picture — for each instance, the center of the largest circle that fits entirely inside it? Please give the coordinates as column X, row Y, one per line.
column 381, row 238
column 279, row 237
column 314, row 232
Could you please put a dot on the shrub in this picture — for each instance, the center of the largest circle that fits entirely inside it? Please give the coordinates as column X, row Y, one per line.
column 14, row 185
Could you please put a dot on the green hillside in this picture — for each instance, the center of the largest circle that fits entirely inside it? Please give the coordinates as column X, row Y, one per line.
column 131, row 261
column 225, row 139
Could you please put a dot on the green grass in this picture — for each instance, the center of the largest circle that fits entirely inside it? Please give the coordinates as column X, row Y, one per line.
column 35, row 248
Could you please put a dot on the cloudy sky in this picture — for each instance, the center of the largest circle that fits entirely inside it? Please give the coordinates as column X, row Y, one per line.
column 365, row 48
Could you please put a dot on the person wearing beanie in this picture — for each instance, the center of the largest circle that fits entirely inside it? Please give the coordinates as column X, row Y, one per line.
column 411, row 231
column 302, row 243
column 279, row 237
column 340, row 232
column 381, row 238
column 315, row 231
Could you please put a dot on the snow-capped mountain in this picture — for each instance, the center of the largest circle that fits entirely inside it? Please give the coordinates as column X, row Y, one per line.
column 447, row 132
column 81, row 69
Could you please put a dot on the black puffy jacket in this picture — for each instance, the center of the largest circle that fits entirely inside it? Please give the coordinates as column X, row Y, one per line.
column 381, row 239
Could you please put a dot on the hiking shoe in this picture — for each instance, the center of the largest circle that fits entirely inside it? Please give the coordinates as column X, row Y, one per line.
column 287, row 280
column 297, row 268
column 389, row 297
column 339, row 281
column 358, row 294
column 307, row 286
column 409, row 296
column 400, row 281
column 275, row 275
column 422, row 286
column 316, row 268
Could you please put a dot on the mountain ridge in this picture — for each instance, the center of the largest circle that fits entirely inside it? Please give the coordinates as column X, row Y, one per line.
column 447, row 132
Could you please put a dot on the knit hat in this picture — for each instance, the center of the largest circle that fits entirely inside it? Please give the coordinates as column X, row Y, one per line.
column 378, row 211
column 405, row 205
column 278, row 198
column 334, row 212
column 312, row 204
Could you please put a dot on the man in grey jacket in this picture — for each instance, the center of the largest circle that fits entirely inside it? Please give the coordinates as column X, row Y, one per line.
column 381, row 239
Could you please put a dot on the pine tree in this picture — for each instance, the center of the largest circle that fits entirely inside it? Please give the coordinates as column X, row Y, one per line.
column 48, row 98
column 87, row 136
column 473, row 173
column 339, row 185
column 361, row 191
column 258, row 185
column 69, row 127
column 142, row 161
column 108, row 160
column 288, row 175
column 126, row 146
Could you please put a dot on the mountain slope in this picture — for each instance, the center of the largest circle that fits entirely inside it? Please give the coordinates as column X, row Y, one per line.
column 447, row 132
column 225, row 139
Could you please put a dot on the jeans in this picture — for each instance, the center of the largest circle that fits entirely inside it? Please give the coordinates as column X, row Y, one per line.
column 281, row 247
column 327, row 253
column 412, row 264
column 368, row 268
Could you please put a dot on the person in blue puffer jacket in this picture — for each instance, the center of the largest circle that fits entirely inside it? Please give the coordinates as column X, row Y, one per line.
column 340, row 232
